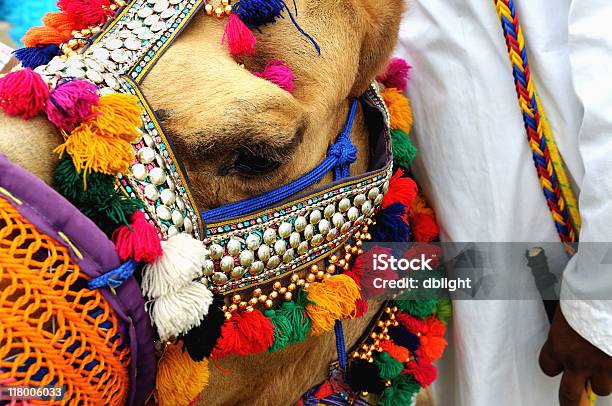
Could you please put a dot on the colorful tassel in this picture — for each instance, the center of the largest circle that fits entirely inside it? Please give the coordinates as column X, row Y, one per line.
column 118, row 115
column 444, row 310
column 398, row 352
column 245, row 333
column 23, row 93
column 240, row 39
column 405, row 338
column 399, row 109
column 424, row 372
column 182, row 261
column 401, row 189
column 72, row 103
column 363, row 377
column 201, row 340
column 291, row 322
column 389, row 368
column 363, row 268
column 179, row 379
column 258, row 12
column 70, row 184
column 333, row 299
column 396, row 74
column 176, row 313
column 424, row 228
column 87, row 12
column 282, row 329
column 403, row 149
column 111, row 212
column 361, row 307
column 138, row 241
column 401, row 392
column 33, row 57
column 417, row 308
column 419, row 206
column 391, row 225
column 278, row 73
column 432, row 338
column 57, row 28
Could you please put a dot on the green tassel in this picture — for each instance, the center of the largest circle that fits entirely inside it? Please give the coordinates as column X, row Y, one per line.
column 444, row 310
column 403, row 149
column 389, row 367
column 291, row 322
column 401, row 392
column 420, row 309
column 100, row 201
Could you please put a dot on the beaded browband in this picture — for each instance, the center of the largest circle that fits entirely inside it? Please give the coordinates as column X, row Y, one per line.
column 265, row 252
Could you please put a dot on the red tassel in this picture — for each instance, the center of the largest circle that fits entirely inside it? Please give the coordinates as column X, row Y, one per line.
column 364, row 268
column 362, row 307
column 87, row 12
column 139, row 241
column 431, row 335
column 424, row 372
column 401, row 189
column 402, row 354
column 433, row 252
column 245, row 333
column 278, row 73
column 424, row 228
column 396, row 74
column 23, row 93
column 240, row 39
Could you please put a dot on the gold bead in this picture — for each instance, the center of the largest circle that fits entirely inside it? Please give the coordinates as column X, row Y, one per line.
column 273, row 295
column 277, row 285
column 228, row 10
column 288, row 296
column 233, row 308
column 219, row 11
column 224, row 308
column 368, row 236
column 331, row 268
column 359, row 243
column 269, row 304
column 209, row 9
column 388, row 383
column 301, row 282
column 348, row 257
column 306, row 285
column 321, row 275
column 242, row 305
column 374, row 336
column 348, row 247
column 364, row 347
column 282, row 290
column 359, row 251
column 369, row 353
column 342, row 263
column 355, row 354
column 314, row 268
column 364, row 394
column 249, row 309
column 392, row 316
column 257, row 292
column 363, row 356
column 291, row 287
column 228, row 315
column 95, row 30
column 311, row 277
column 86, row 32
column 385, row 330
column 380, row 323
column 236, row 299
column 387, row 310
column 395, row 323
column 262, row 298
column 354, row 250
column 295, row 277
column 394, row 308
column 253, row 301
column 113, row 7
column 225, row 2
column 364, row 229
column 333, row 259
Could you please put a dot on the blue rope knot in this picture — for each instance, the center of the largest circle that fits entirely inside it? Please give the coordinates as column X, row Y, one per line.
column 114, row 278
column 344, row 151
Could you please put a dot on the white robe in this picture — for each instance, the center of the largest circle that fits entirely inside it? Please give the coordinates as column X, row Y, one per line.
column 475, row 166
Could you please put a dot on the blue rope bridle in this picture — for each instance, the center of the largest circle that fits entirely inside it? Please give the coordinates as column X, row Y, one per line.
column 340, row 156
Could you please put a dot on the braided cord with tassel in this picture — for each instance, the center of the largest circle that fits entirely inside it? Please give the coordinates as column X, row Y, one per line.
column 549, row 165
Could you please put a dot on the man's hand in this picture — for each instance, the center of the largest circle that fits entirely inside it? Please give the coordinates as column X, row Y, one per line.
column 565, row 351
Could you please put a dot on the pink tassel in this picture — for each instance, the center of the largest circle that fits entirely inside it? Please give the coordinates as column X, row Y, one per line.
column 23, row 93
column 240, row 39
column 72, row 103
column 140, row 243
column 396, row 74
column 278, row 73
column 86, row 12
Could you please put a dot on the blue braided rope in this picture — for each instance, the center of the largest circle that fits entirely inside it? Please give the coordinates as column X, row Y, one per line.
column 340, row 155
column 115, row 278
column 340, row 345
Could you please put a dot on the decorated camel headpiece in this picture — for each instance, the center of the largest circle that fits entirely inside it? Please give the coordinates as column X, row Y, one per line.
column 131, row 309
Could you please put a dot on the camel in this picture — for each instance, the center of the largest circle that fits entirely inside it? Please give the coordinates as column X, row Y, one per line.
column 217, row 113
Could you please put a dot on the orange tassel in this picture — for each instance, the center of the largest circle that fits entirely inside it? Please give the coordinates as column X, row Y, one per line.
column 399, row 109
column 334, row 299
column 179, row 379
column 57, row 29
column 400, row 353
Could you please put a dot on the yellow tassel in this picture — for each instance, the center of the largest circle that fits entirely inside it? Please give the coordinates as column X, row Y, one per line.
column 334, row 299
column 179, row 378
column 93, row 151
column 399, row 109
column 118, row 116
column 419, row 206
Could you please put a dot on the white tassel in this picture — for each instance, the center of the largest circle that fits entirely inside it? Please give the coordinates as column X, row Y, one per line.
column 182, row 261
column 178, row 312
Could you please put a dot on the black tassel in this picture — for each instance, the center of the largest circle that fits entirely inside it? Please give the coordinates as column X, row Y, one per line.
column 363, row 376
column 404, row 338
column 201, row 340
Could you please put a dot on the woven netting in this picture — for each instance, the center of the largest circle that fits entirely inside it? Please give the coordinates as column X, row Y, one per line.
column 54, row 331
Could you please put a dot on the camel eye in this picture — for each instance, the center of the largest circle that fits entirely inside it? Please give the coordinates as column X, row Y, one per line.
column 250, row 165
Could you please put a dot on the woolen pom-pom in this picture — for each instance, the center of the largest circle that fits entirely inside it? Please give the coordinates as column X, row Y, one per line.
column 418, row 308
column 72, row 103
column 401, row 190
column 424, row 228
column 401, row 392
column 239, row 37
column 391, row 225
column 278, row 73
column 444, row 310
column 138, row 241
column 363, row 376
column 245, row 333
column 23, row 93
column 200, row 341
column 389, row 367
column 396, row 351
column 424, row 372
column 87, row 12
column 396, row 74
column 399, row 109
column 33, row 57
column 403, row 149
column 405, row 338
column 179, row 379
column 258, row 12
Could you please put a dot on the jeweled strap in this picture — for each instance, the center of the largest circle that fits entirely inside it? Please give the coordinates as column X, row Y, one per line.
column 551, row 172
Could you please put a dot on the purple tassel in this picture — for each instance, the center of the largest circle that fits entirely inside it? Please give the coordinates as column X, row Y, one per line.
column 33, row 57
column 390, row 224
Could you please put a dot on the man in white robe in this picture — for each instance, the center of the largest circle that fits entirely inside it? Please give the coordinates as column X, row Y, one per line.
column 476, row 167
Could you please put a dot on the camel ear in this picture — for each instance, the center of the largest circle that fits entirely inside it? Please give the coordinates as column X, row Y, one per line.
column 381, row 19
